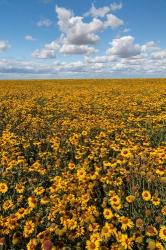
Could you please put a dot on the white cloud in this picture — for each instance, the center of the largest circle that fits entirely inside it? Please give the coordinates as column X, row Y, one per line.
column 116, row 6
column 76, row 31
column 54, row 45
column 113, row 21
column 70, row 49
column 149, row 46
column 124, row 47
column 29, row 38
column 64, row 15
column 58, row 69
column 158, row 55
column 100, row 59
column 4, row 45
column 98, row 12
column 78, row 34
column 102, row 11
column 151, row 64
column 44, row 53
column 48, row 51
column 97, row 59
column 44, row 23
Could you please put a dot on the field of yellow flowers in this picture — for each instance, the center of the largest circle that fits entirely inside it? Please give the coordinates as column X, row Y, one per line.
column 83, row 164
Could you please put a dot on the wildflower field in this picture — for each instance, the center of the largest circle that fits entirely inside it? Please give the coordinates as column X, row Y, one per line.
column 83, row 164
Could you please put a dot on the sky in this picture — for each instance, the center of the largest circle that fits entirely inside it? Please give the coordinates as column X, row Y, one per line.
column 82, row 39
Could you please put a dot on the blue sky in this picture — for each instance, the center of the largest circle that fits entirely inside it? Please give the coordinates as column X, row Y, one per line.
column 67, row 39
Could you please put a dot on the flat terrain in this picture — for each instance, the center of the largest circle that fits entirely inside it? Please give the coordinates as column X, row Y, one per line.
column 82, row 164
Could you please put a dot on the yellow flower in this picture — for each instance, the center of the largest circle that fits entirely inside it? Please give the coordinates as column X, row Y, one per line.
column 160, row 171
column 138, row 237
column 126, row 153
column 32, row 244
column 146, row 195
column 70, row 224
column 162, row 233
column 21, row 213
column 112, row 228
column 151, row 231
column 163, row 210
column 44, row 200
column 155, row 200
column 93, row 227
column 20, row 188
column 106, row 164
column 159, row 246
column 126, row 223
column 126, row 242
column 3, row 187
column 84, row 133
column 28, row 228
column 95, row 237
column 7, row 204
column 130, row 198
column 105, row 232
column 91, row 245
column 81, row 173
column 32, row 202
column 151, row 245
column 116, row 206
column 39, row 190
column 112, row 193
column 108, row 213
column 71, row 165
column 115, row 199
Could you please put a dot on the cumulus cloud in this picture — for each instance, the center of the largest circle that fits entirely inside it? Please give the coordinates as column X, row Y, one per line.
column 147, row 59
column 113, row 21
column 116, row 6
column 29, row 38
column 49, row 50
column 153, row 64
column 158, row 55
column 149, row 46
column 54, row 45
column 44, row 54
column 4, row 45
column 76, row 30
column 11, row 66
column 124, row 47
column 57, row 69
column 70, row 49
column 77, row 36
column 44, row 23
column 80, row 33
column 102, row 11
column 98, row 12
column 100, row 59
